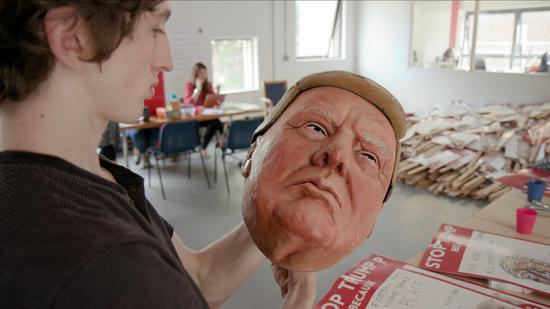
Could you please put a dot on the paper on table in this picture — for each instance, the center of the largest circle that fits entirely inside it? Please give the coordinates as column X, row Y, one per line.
column 212, row 111
column 380, row 282
column 240, row 106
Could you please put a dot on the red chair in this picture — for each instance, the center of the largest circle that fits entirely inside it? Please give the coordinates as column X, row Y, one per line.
column 158, row 99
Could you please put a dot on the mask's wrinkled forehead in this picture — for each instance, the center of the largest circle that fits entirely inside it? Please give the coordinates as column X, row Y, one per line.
column 361, row 86
column 371, row 91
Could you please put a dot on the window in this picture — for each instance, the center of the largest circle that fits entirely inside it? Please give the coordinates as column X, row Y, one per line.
column 319, row 29
column 508, row 40
column 504, row 36
column 234, row 64
column 534, row 36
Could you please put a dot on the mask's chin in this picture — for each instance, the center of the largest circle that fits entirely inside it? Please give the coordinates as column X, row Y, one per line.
column 310, row 259
column 297, row 252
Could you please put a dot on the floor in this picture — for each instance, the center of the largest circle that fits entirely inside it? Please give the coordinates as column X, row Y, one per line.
column 200, row 216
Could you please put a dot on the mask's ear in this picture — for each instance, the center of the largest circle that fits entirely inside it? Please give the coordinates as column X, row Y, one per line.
column 247, row 165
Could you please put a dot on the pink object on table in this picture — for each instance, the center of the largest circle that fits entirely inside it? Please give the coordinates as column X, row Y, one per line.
column 525, row 220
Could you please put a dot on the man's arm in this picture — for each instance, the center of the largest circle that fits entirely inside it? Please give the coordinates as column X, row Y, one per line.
column 220, row 268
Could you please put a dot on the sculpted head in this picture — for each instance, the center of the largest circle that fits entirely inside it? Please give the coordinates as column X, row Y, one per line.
column 321, row 166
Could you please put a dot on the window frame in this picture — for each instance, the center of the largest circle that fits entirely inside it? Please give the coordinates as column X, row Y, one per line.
column 254, row 62
column 516, row 49
column 338, row 31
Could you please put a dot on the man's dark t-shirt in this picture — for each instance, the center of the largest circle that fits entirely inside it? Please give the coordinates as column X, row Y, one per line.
column 71, row 239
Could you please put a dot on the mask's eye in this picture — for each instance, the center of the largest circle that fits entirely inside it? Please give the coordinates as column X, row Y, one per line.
column 316, row 128
column 369, row 156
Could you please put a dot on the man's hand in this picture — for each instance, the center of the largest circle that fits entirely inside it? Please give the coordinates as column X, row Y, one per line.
column 297, row 288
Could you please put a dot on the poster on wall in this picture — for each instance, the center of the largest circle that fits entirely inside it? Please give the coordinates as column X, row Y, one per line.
column 519, row 263
column 380, row 282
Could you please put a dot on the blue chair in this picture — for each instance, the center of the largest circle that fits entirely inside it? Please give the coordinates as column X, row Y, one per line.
column 238, row 137
column 274, row 90
column 177, row 138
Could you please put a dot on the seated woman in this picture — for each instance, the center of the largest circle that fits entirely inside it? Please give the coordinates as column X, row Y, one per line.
column 195, row 94
column 143, row 139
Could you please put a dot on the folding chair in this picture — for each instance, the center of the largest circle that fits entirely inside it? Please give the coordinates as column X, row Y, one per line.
column 177, row 138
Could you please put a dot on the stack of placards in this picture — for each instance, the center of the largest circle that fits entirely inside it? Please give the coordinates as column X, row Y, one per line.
column 464, row 151
column 506, row 262
column 380, row 282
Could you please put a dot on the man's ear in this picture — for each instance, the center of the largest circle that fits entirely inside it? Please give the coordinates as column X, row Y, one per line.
column 68, row 36
column 247, row 165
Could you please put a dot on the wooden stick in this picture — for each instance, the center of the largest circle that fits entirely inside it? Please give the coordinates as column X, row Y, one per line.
column 437, row 148
column 417, row 170
column 493, row 196
column 424, row 147
column 462, row 178
column 474, row 160
column 405, row 163
column 450, row 178
column 458, row 183
column 473, row 183
column 440, row 188
column 423, row 184
column 416, row 178
column 453, row 193
column 483, row 193
column 433, row 176
column 408, row 167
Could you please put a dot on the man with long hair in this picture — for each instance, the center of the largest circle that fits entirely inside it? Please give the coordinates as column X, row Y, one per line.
column 76, row 231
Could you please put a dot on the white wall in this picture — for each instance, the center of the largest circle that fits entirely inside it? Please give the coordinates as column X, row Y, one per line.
column 383, row 38
column 263, row 20
column 431, row 29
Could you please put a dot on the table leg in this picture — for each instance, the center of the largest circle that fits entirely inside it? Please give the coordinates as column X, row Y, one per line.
column 125, row 150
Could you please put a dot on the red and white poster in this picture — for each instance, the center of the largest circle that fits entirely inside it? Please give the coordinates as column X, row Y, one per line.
column 519, row 180
column 462, row 251
column 379, row 282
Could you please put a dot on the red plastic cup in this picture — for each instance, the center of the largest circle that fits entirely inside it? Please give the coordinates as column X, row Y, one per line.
column 525, row 220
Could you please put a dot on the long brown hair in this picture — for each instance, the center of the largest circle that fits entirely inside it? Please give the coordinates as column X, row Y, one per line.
column 27, row 59
column 194, row 72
